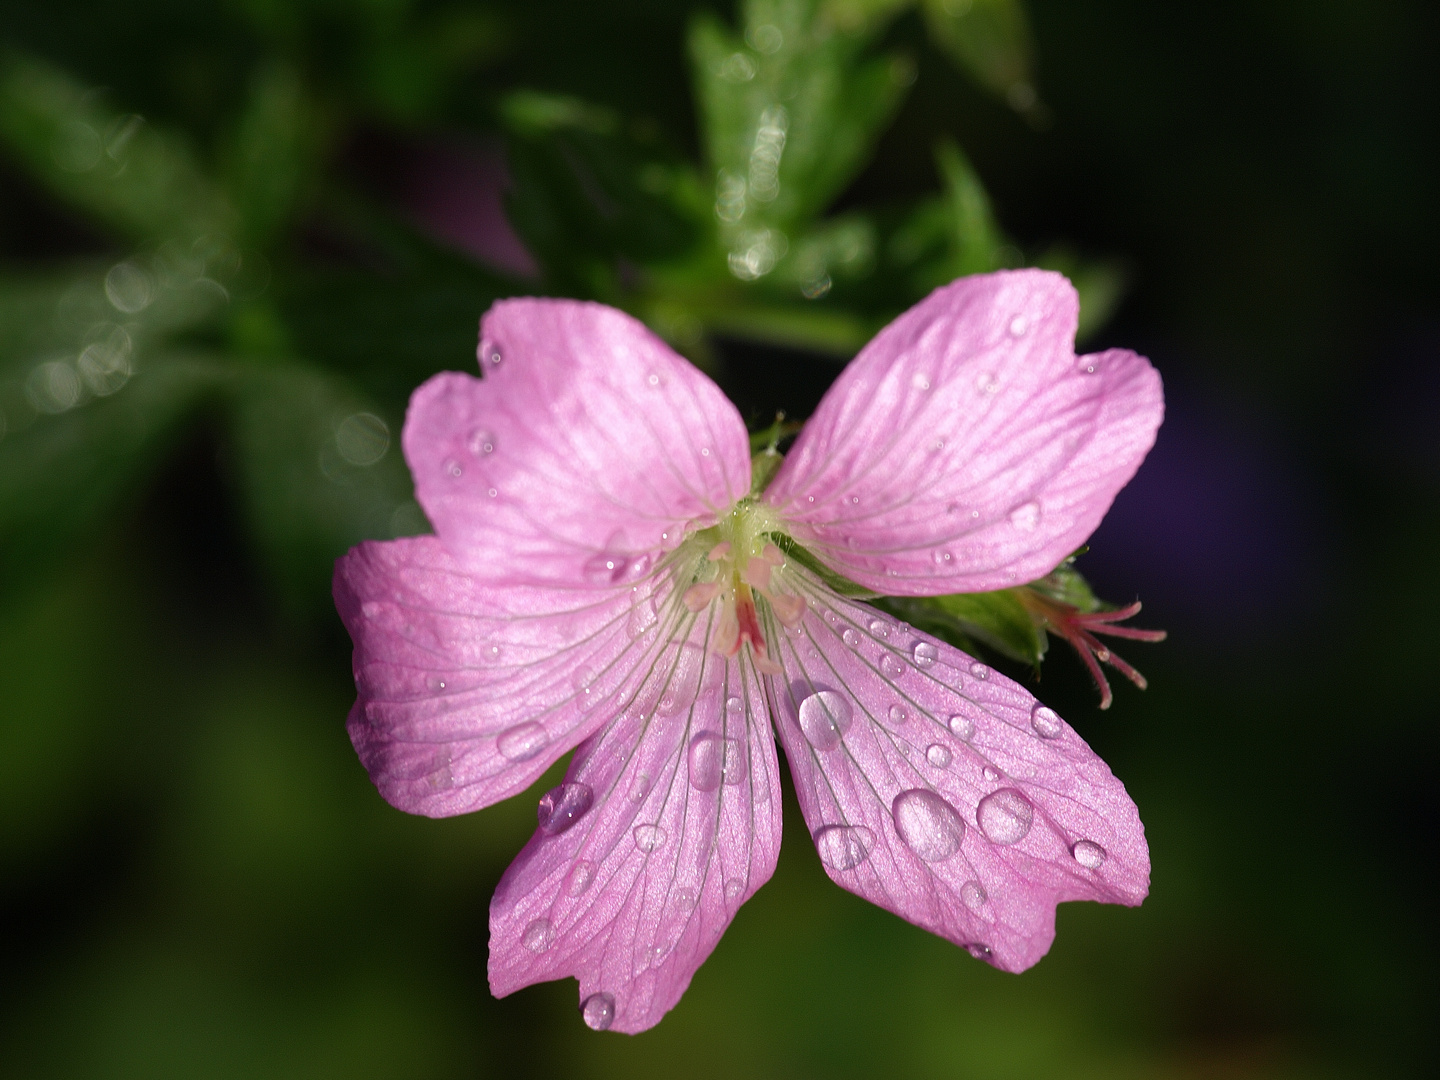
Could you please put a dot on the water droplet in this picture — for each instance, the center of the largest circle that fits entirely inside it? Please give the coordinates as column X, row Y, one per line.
column 733, row 888
column 579, row 878
column 920, row 381
column 1026, row 516
column 963, row 727
column 586, row 693
column 925, row 654
column 891, row 666
column 980, row 671
column 979, row 951
column 562, row 806
column 986, row 383
column 941, row 557
column 653, row 379
column 598, row 1011
column 493, row 492
column 538, row 936
column 649, row 838
column 434, row 682
column 929, row 825
column 482, row 442
column 453, row 469
column 1046, row 722
column 1004, row 816
column 642, row 618
column 704, row 451
column 854, row 500
column 879, row 629
column 938, row 755
column 850, row 636
column 843, row 847
column 707, row 761
column 898, row 715
column 973, row 895
column 989, row 772
column 605, row 568
column 733, row 705
column 523, row 741
column 1088, row 854
column 825, row 717
column 1018, row 325
column 737, row 765
column 640, row 788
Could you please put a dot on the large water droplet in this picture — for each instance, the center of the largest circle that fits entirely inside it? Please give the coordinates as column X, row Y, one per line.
column 929, row 825
column 598, row 1011
column 989, row 772
column 824, row 717
column 538, row 936
column 579, row 878
column 1088, row 854
column 980, row 671
column 562, row 806
column 963, row 727
column 938, row 755
column 925, row 654
column 481, row 442
column 733, row 888
column 1004, row 816
column 707, row 761
column 1026, row 516
column 973, row 895
column 649, row 838
column 891, row 666
column 842, row 847
column 850, row 636
column 642, row 617
column 641, row 787
column 879, row 629
column 979, row 950
column 1046, row 722
column 898, row 715
column 1018, row 325
column 523, row 741
column 734, row 705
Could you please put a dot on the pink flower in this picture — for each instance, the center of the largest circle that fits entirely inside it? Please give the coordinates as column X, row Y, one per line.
column 604, row 578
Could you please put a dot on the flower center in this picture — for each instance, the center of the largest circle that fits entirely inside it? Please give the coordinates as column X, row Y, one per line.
column 738, row 566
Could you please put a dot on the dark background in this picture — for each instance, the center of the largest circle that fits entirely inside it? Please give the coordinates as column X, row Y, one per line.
column 196, row 878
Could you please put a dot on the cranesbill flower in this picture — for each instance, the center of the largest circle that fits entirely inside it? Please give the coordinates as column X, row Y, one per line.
column 606, row 575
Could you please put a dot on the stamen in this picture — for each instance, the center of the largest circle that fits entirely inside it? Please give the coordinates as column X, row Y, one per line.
column 698, row 596
column 1079, row 629
column 719, row 551
column 757, row 574
column 788, row 609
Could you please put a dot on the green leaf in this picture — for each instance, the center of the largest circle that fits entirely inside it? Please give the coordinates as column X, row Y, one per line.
column 275, row 152
column 139, row 181
column 80, row 437
column 588, row 193
column 790, row 111
column 1101, row 284
column 996, row 619
column 321, row 470
column 990, row 40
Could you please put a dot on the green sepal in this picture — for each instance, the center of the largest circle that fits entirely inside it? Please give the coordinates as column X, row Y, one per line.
column 1066, row 585
column 997, row 620
column 840, row 584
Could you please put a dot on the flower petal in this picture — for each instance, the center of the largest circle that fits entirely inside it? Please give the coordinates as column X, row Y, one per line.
column 579, row 456
column 966, row 448
column 943, row 791
column 468, row 692
column 683, row 825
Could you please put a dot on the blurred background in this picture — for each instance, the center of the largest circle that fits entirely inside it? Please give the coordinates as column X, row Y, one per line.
column 235, row 236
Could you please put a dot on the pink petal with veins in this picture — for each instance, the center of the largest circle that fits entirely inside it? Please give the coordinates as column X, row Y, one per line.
column 943, row 791
column 967, row 448
column 580, row 456
column 671, row 821
column 468, row 692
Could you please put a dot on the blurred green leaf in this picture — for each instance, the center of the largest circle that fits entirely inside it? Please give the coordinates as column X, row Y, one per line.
column 1101, row 284
column 990, row 39
column 588, row 193
column 276, row 149
column 141, row 182
column 321, row 470
column 790, row 111
column 80, row 437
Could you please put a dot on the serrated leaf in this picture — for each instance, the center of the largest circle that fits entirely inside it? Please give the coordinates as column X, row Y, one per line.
column 995, row 619
column 139, row 181
column 990, row 40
